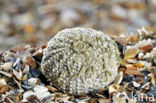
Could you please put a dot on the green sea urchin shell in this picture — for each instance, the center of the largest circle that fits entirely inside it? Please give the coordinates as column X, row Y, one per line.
column 79, row 61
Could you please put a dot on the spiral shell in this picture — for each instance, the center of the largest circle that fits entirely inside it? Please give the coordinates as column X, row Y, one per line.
column 79, row 61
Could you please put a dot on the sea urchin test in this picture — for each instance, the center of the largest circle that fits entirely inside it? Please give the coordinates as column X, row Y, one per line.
column 80, row 61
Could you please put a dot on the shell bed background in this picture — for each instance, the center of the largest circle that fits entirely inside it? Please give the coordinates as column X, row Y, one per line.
column 79, row 61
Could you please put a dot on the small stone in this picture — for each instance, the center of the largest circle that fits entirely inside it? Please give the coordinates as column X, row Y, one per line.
column 131, row 52
column 147, row 48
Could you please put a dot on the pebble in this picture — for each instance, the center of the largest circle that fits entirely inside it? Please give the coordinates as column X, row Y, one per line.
column 131, row 52
column 147, row 48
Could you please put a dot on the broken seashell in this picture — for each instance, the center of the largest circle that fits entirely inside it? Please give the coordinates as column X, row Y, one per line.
column 51, row 89
column 146, row 84
column 7, row 66
column 131, row 52
column 119, row 78
column 122, row 70
column 27, row 94
column 40, row 88
column 119, row 97
column 31, row 62
column 39, row 50
column 17, row 74
column 4, row 88
column 135, row 84
column 140, row 55
column 148, row 56
column 33, row 99
column 6, row 74
column 131, row 61
column 151, row 75
column 131, row 70
column 132, row 39
column 66, row 98
column 2, row 81
column 113, row 88
column 16, row 62
column 33, row 82
column 42, row 94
